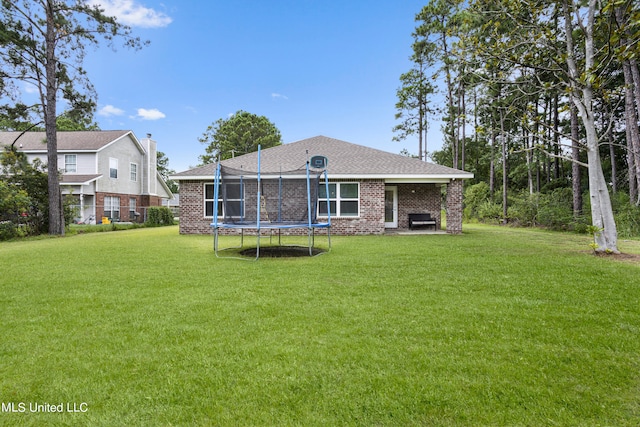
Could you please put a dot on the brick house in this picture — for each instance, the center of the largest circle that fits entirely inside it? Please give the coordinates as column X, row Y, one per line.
column 374, row 191
column 110, row 174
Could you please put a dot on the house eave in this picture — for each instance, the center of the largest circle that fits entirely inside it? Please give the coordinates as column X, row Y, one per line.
column 391, row 179
column 191, row 178
column 403, row 178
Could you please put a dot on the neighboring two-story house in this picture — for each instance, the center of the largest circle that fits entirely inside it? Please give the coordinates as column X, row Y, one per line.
column 110, row 174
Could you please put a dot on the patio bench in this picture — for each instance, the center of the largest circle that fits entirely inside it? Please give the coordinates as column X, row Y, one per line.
column 421, row 219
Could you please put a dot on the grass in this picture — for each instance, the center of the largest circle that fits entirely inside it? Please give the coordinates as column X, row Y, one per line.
column 495, row 327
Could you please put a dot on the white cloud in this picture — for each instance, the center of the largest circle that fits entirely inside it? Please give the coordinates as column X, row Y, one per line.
column 30, row 88
column 129, row 12
column 110, row 110
column 153, row 114
column 278, row 96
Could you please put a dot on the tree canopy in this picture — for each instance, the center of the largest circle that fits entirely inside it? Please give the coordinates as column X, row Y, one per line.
column 239, row 134
column 539, row 96
column 42, row 44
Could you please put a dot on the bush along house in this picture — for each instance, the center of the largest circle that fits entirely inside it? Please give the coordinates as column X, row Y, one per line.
column 371, row 191
column 109, row 174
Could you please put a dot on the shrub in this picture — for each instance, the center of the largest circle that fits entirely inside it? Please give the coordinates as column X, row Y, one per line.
column 474, row 197
column 556, row 209
column 627, row 215
column 159, row 216
column 490, row 212
column 523, row 209
column 8, row 230
column 32, row 182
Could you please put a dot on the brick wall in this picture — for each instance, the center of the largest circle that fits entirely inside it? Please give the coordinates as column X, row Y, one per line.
column 454, row 207
column 412, row 198
column 141, row 203
column 418, row 198
column 192, row 220
column 371, row 219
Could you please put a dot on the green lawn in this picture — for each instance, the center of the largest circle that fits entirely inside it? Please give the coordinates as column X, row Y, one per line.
column 496, row 327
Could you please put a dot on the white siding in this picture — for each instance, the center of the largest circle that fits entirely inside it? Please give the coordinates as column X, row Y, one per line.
column 125, row 151
column 86, row 163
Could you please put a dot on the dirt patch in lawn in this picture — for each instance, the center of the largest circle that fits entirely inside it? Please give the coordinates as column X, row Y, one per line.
column 625, row 257
column 281, row 252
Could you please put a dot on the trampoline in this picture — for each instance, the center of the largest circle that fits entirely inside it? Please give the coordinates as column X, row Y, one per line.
column 272, row 202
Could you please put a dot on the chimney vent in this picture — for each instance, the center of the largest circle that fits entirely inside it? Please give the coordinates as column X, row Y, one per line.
column 148, row 135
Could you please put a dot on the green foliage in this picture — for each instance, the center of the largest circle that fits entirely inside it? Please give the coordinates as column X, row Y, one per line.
column 490, row 212
column 474, row 196
column 237, row 135
column 43, row 45
column 523, row 209
column 159, row 216
column 76, row 120
column 14, row 202
column 14, row 206
column 26, row 190
column 101, row 228
column 413, row 104
column 555, row 210
column 627, row 215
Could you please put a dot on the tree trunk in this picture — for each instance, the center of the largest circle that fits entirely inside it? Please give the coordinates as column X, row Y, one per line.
column 634, row 169
column 556, row 138
column 420, row 118
column 582, row 97
column 612, row 155
column 503, row 140
column 56, row 213
column 450, row 90
column 631, row 122
column 492, row 164
column 464, row 126
column 575, row 167
column 527, row 138
column 421, row 113
column 631, row 101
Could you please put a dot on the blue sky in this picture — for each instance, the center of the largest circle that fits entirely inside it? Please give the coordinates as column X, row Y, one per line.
column 312, row 67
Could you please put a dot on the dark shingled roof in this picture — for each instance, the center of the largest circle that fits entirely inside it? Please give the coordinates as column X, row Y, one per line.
column 72, row 141
column 345, row 159
column 78, row 179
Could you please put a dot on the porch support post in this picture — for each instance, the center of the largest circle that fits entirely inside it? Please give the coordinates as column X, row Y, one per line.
column 454, row 206
column 81, row 203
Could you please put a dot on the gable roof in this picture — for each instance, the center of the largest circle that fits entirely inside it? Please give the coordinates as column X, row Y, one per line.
column 93, row 140
column 345, row 160
column 78, row 179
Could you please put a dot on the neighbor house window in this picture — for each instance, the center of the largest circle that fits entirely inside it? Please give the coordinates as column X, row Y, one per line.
column 112, row 207
column 70, row 163
column 134, row 172
column 113, row 168
column 231, row 193
column 343, row 199
column 132, row 208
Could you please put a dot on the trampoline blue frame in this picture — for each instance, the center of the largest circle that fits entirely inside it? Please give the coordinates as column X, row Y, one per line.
column 280, row 225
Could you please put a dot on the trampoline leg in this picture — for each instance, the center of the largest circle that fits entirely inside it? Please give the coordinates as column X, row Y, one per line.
column 215, row 241
column 258, row 245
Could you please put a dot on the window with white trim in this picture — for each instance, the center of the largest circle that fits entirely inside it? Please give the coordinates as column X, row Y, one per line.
column 70, row 163
column 343, row 199
column 132, row 207
column 233, row 199
column 112, row 207
column 133, row 168
column 113, row 168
